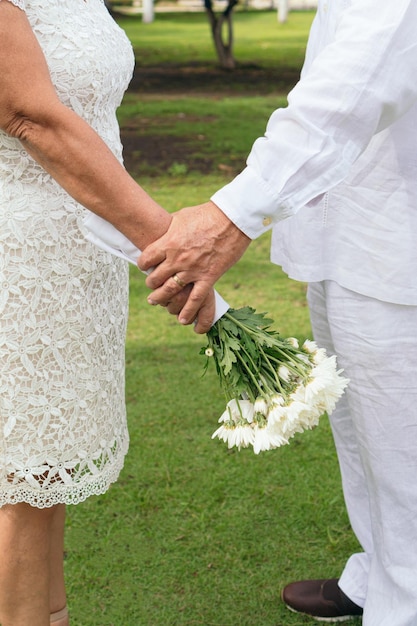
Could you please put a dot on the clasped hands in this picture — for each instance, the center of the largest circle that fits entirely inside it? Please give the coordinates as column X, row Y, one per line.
column 200, row 245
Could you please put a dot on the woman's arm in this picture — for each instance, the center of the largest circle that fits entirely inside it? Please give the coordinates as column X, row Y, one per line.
column 64, row 144
column 71, row 151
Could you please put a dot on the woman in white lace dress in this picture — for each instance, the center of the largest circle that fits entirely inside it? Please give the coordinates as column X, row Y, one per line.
column 64, row 65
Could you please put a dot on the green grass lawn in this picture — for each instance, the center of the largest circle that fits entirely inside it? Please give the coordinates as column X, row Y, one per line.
column 175, row 38
column 192, row 533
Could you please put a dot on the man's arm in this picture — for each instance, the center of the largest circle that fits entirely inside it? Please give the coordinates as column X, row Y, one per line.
column 360, row 81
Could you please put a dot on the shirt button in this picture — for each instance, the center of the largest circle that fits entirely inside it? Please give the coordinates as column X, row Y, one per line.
column 267, row 221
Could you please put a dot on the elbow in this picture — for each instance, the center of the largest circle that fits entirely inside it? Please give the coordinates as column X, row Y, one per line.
column 36, row 128
column 19, row 126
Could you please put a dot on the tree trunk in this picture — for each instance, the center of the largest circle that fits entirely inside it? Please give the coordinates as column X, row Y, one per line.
column 222, row 32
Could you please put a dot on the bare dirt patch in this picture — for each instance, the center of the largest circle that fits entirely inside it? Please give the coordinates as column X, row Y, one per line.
column 147, row 153
column 154, row 154
column 195, row 78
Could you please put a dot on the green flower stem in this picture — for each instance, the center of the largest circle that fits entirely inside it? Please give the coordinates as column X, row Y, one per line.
column 247, row 356
column 280, row 346
column 251, row 375
column 273, row 371
column 298, row 368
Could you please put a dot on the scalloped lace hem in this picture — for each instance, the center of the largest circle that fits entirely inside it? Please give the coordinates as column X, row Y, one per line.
column 64, row 494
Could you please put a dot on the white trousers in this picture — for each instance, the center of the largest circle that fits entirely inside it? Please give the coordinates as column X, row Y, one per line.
column 375, row 431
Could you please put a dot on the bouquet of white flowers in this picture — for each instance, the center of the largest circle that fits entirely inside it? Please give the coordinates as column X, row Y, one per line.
column 274, row 387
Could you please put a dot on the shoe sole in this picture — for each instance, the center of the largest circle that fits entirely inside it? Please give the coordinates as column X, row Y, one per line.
column 329, row 620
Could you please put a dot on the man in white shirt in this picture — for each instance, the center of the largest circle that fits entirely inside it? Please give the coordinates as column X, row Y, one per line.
column 336, row 177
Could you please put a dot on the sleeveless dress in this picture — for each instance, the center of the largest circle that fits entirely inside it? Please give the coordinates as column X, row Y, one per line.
column 63, row 301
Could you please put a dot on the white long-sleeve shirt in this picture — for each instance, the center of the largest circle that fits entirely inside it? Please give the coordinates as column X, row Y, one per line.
column 336, row 173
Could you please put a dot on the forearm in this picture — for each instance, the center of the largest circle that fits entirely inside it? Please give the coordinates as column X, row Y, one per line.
column 75, row 156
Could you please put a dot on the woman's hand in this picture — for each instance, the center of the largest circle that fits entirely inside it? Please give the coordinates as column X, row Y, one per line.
column 204, row 319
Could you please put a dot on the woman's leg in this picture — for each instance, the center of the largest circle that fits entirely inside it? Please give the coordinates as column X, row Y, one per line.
column 57, row 596
column 57, row 586
column 29, row 547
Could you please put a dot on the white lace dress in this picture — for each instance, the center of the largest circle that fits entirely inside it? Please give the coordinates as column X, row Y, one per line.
column 63, row 302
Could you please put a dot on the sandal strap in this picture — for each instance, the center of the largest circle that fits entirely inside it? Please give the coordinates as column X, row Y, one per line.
column 55, row 617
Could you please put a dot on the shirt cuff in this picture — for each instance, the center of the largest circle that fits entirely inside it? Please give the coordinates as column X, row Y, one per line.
column 250, row 204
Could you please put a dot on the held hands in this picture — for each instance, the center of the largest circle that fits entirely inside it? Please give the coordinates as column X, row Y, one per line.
column 176, row 303
column 198, row 247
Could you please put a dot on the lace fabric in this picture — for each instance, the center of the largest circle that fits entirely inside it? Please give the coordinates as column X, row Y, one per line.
column 18, row 3
column 63, row 302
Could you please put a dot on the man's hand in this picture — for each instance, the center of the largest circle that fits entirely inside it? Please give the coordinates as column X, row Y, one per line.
column 199, row 246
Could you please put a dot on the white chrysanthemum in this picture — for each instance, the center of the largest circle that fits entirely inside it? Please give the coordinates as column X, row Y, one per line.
column 238, row 411
column 277, row 439
column 262, row 440
column 260, row 406
column 277, row 436
column 310, row 346
column 315, row 388
column 239, row 436
column 299, row 393
column 293, row 342
column 332, row 393
column 325, row 386
column 276, row 414
column 319, row 356
column 284, row 373
column 276, row 400
column 278, row 425
column 297, row 418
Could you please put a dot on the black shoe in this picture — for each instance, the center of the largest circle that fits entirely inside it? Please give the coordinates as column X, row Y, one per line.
column 321, row 599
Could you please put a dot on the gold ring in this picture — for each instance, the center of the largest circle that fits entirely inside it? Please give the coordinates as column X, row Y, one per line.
column 179, row 282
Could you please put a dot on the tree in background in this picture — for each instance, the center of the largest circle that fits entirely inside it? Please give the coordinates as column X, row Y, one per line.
column 222, row 32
